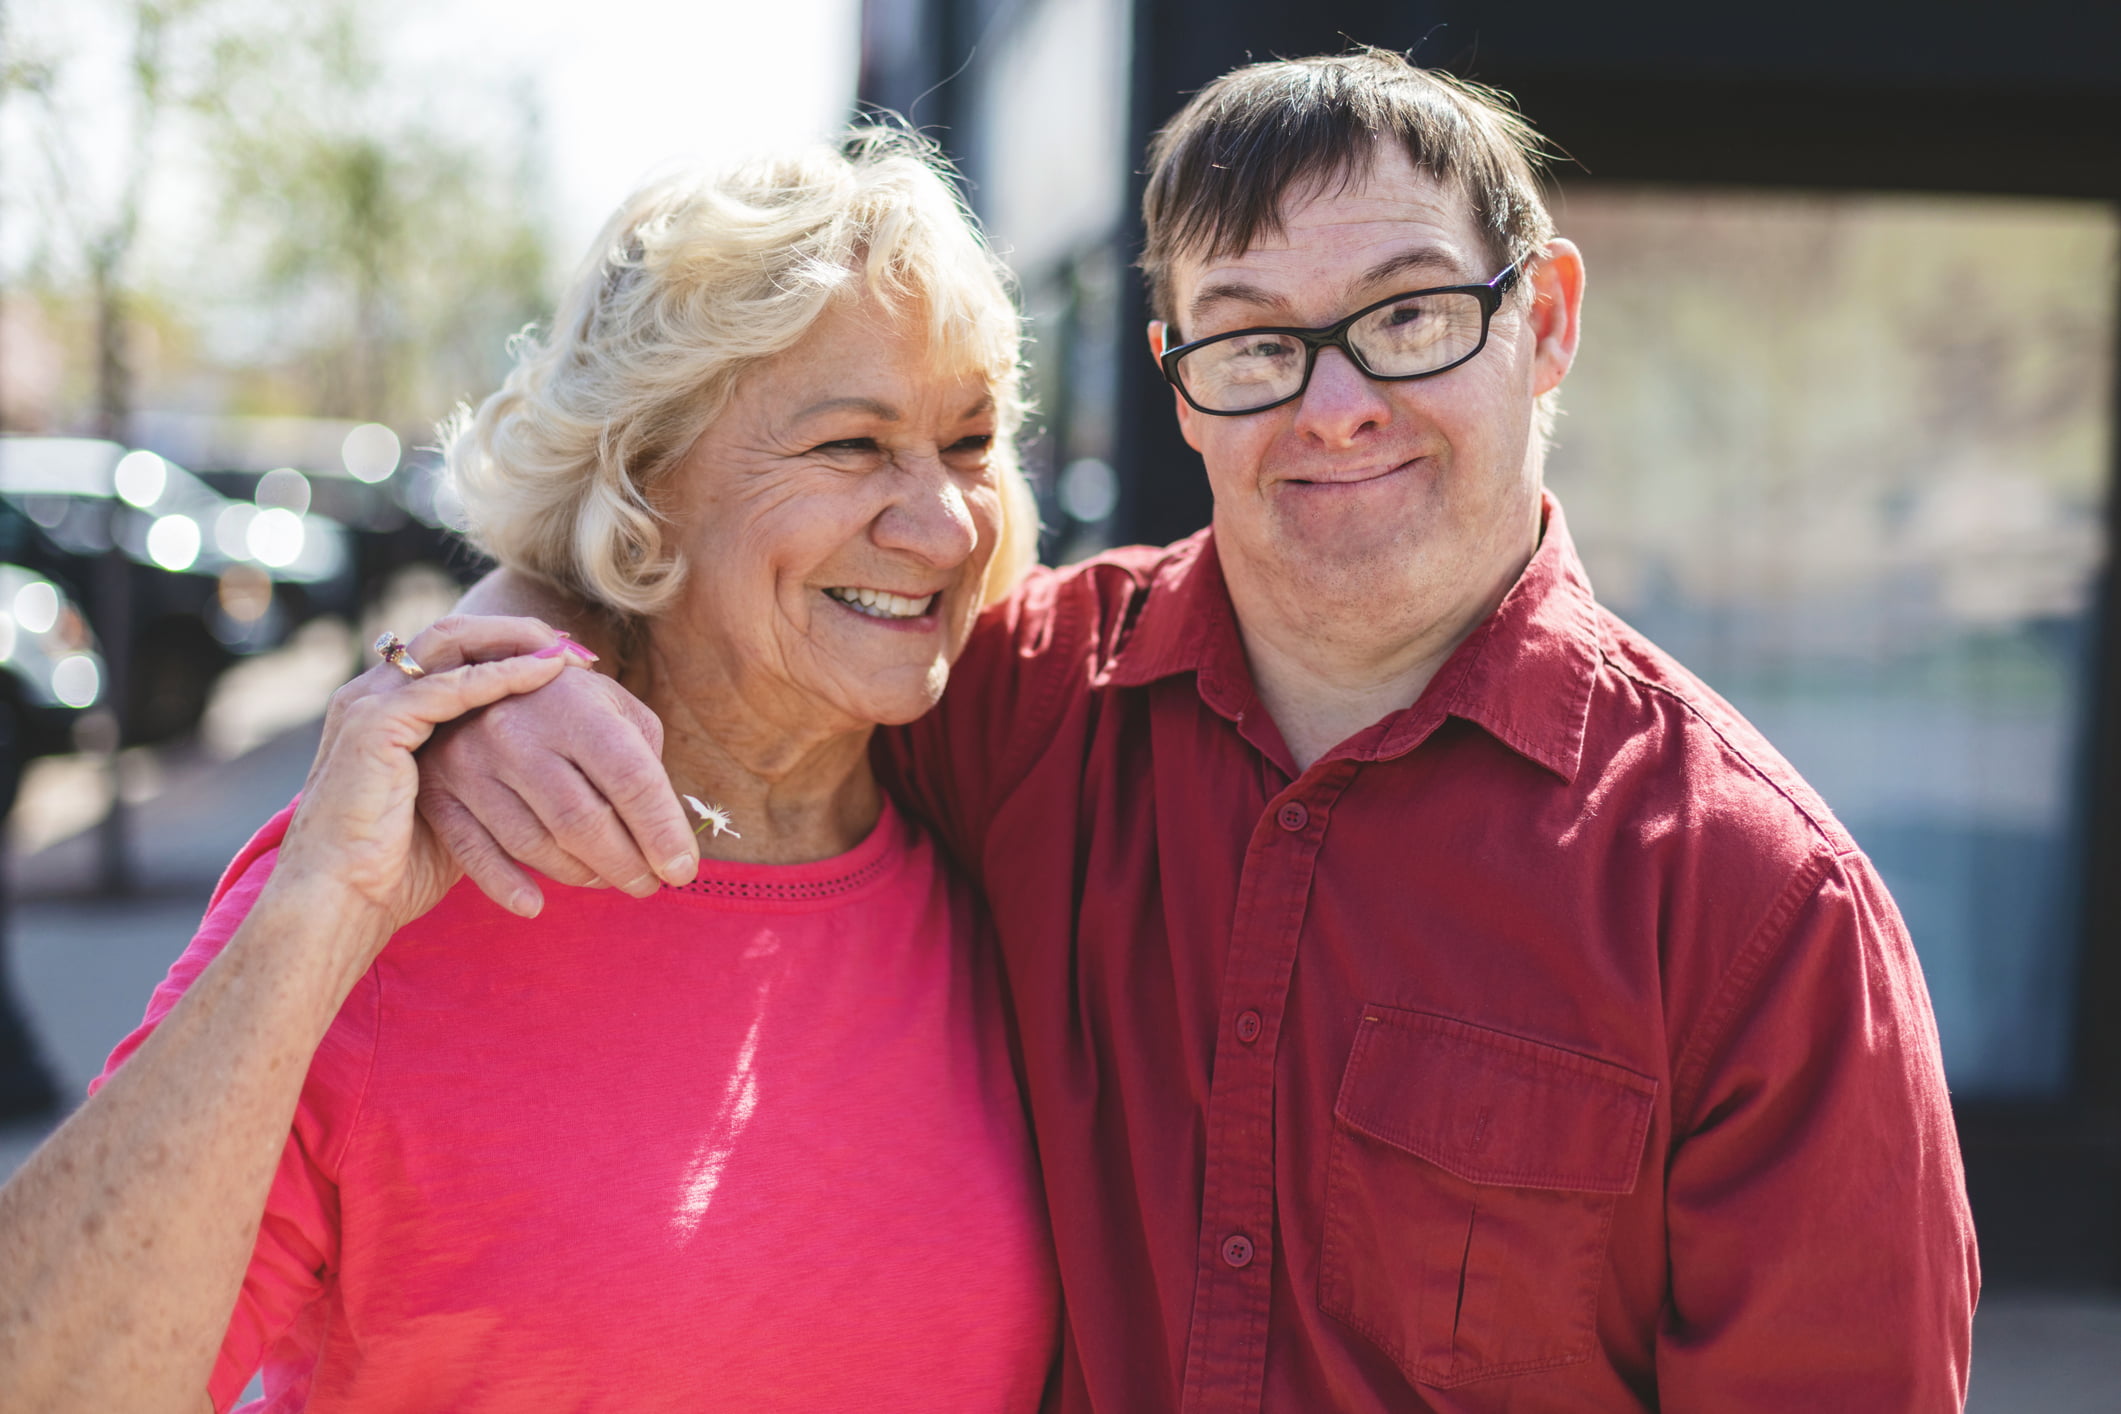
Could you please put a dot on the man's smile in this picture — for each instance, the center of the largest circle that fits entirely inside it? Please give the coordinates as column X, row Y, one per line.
column 1353, row 476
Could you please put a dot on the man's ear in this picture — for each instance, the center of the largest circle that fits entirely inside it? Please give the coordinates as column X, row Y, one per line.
column 1159, row 336
column 1556, row 315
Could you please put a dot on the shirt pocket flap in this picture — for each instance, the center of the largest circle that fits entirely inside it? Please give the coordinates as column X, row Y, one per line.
column 1494, row 1108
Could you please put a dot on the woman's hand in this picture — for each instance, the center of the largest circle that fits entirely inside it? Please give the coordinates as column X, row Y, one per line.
column 356, row 844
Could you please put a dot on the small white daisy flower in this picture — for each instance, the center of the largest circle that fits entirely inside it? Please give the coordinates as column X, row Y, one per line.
column 713, row 815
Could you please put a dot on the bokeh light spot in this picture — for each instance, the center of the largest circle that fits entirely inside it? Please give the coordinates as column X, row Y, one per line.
column 275, row 537
column 283, row 489
column 370, row 452
column 139, row 479
column 1089, row 491
column 173, row 542
column 76, row 680
column 232, row 530
column 37, row 606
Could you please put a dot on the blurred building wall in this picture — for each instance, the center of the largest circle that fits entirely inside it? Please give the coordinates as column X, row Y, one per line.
column 1845, row 455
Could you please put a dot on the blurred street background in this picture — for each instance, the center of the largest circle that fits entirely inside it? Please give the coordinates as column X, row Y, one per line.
column 1841, row 436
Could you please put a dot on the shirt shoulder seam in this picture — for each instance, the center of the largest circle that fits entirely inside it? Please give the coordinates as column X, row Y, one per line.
column 1745, row 972
column 1834, row 843
column 372, row 979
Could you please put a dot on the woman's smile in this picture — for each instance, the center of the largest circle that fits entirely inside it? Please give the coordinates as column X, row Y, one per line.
column 881, row 605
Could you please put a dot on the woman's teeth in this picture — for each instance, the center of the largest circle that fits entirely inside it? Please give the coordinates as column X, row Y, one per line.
column 879, row 605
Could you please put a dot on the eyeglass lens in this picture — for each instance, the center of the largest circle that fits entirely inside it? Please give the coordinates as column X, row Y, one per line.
column 1419, row 334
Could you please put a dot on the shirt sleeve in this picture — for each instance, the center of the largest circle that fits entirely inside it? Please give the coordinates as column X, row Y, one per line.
column 298, row 1236
column 1822, row 1252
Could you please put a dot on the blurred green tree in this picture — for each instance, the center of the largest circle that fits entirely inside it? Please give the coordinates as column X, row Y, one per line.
column 394, row 253
column 295, row 218
column 89, row 212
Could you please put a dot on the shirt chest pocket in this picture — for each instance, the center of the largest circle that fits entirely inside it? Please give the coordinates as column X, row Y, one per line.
column 1472, row 1177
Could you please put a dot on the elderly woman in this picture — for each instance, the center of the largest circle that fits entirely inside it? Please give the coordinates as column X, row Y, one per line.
column 751, row 1141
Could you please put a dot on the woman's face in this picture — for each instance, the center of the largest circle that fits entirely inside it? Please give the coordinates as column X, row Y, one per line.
column 836, row 520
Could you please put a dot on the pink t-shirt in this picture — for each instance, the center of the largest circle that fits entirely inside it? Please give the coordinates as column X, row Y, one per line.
column 751, row 1144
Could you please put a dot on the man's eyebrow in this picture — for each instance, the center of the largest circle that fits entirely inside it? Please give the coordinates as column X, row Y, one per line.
column 1217, row 292
column 1422, row 257
column 1439, row 260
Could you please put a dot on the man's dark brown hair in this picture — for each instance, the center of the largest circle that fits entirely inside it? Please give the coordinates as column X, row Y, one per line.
column 1221, row 171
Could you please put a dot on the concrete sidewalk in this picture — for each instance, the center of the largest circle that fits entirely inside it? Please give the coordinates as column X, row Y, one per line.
column 84, row 967
column 84, row 964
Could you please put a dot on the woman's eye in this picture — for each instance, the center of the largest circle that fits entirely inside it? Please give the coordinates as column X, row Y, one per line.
column 849, row 444
column 977, row 443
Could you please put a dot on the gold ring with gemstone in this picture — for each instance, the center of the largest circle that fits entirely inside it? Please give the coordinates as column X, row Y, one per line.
column 395, row 653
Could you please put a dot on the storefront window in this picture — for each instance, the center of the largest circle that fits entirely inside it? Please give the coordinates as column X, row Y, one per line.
column 1846, row 457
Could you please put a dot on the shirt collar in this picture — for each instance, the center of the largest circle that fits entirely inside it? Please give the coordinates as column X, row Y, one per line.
column 1524, row 675
column 1186, row 625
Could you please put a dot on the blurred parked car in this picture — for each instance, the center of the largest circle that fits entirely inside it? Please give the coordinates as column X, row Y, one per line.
column 177, row 578
column 388, row 492
column 50, row 672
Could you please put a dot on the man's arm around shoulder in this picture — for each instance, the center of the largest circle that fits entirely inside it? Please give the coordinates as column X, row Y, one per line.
column 569, row 782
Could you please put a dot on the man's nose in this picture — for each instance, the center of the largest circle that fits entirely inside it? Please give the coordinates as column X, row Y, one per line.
column 1341, row 402
column 929, row 518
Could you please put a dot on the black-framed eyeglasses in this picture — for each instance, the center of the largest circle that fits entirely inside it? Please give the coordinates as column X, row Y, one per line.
column 1418, row 334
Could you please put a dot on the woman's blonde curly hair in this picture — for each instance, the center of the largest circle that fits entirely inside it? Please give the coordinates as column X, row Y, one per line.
column 695, row 279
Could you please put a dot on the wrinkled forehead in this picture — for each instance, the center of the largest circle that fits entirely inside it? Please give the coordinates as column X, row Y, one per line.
column 891, row 348
column 953, row 340
column 957, row 312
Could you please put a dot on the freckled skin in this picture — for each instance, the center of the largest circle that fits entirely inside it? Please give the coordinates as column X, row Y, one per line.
column 1367, row 526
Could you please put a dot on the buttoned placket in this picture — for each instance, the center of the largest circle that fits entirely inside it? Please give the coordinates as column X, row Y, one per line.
column 1226, row 1345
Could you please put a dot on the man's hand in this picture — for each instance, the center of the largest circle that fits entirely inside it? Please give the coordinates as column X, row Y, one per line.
column 568, row 780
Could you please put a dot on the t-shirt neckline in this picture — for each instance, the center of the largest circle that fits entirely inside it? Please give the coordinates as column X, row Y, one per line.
column 878, row 853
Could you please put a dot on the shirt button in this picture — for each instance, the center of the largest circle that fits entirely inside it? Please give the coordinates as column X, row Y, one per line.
column 1237, row 1250
column 1293, row 816
column 1248, row 1026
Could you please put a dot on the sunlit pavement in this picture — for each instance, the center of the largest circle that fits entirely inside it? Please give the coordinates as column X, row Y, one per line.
column 84, row 963
column 83, row 967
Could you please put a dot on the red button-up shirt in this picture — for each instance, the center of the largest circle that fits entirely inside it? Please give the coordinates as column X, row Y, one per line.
column 1545, row 1046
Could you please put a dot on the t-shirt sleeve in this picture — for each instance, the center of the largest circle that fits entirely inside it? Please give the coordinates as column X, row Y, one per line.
column 1822, row 1253
column 953, row 767
column 298, row 1236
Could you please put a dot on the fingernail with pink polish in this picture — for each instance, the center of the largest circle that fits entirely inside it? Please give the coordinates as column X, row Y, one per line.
column 578, row 650
column 553, row 652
